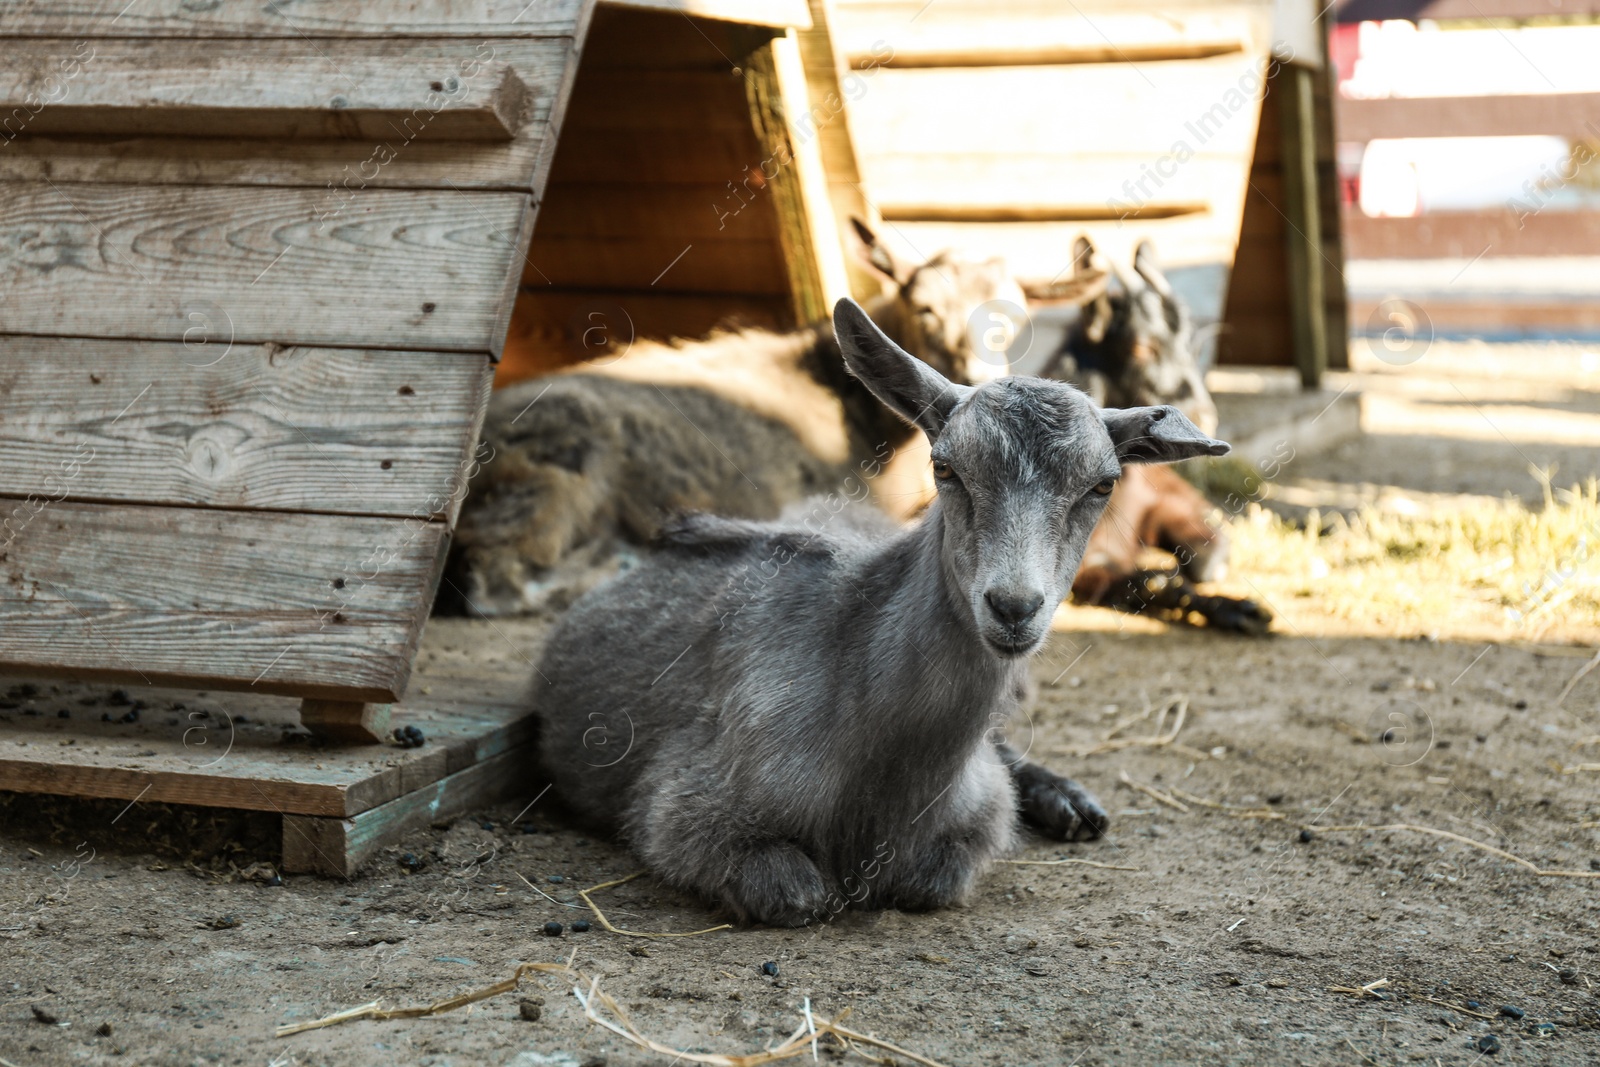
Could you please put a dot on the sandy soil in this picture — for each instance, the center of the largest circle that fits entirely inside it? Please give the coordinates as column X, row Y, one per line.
column 1220, row 947
column 122, row 944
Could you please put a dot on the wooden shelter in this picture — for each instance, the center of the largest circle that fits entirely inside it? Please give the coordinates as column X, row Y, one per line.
column 1013, row 128
column 257, row 266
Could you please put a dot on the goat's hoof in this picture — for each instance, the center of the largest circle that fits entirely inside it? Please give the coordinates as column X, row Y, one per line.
column 1240, row 617
column 778, row 886
column 1063, row 809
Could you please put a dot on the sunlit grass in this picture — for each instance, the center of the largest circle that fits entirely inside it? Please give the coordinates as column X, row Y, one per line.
column 1494, row 569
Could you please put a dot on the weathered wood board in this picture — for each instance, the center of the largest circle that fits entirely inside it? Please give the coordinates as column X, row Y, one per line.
column 231, row 749
column 379, row 268
column 304, row 19
column 337, row 847
column 206, row 424
column 391, row 159
column 387, row 90
column 310, row 605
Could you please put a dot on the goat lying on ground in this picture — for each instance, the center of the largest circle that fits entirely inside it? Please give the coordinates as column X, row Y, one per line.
column 784, row 719
column 589, row 462
column 1133, row 347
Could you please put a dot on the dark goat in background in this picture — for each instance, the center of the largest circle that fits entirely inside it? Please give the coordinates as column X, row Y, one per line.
column 1133, row 346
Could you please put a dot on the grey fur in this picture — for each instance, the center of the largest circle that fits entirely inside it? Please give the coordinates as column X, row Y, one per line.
column 788, row 719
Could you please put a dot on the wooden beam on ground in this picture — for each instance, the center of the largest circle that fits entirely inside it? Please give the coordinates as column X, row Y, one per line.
column 1302, row 212
column 337, row 847
column 243, row 749
column 374, row 268
column 206, row 424
column 304, row 605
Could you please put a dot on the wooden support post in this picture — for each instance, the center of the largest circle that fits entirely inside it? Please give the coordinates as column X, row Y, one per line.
column 345, row 720
column 1302, row 209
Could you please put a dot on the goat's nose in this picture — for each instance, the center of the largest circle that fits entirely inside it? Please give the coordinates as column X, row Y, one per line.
column 1013, row 609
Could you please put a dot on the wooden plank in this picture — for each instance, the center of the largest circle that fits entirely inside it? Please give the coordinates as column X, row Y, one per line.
column 303, row 19
column 385, row 269
column 1504, row 316
column 1473, row 10
column 961, row 35
column 547, row 327
column 1208, row 105
column 392, row 160
column 732, row 263
column 1572, row 115
column 752, row 12
column 308, row 605
column 1303, row 218
column 338, row 847
column 249, row 427
column 1466, row 234
column 346, row 720
column 417, row 91
column 894, row 212
column 790, row 175
column 229, row 749
column 606, row 211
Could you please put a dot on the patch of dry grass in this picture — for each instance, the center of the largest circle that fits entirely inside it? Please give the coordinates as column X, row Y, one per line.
column 1497, row 570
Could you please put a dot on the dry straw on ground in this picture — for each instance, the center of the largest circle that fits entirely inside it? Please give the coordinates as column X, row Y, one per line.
column 1493, row 569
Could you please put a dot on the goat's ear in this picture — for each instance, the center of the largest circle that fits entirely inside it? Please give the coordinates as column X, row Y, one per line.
column 1157, row 435
column 1080, row 288
column 878, row 255
column 909, row 387
column 1144, row 261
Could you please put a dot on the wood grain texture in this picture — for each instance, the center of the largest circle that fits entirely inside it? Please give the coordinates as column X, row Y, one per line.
column 227, row 749
column 338, row 847
column 379, row 268
column 307, row 605
column 303, row 19
column 389, row 160
column 387, row 90
column 201, row 424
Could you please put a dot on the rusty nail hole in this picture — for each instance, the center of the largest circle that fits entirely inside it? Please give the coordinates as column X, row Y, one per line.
column 95, row 378
column 427, row 309
column 406, row 390
column 386, row 464
column 338, row 583
column 338, row 616
column 437, row 87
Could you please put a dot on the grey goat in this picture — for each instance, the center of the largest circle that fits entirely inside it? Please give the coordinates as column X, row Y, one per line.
column 788, row 720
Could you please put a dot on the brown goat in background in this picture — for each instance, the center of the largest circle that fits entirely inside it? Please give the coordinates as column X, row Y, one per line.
column 589, row 462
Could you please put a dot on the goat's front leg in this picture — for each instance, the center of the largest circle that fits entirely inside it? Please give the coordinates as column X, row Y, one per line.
column 1056, row 805
column 692, row 841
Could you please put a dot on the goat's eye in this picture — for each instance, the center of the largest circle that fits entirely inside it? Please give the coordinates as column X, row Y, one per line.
column 1105, row 487
column 942, row 471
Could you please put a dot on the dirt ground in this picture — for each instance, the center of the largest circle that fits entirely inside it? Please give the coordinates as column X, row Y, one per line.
column 1224, row 943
